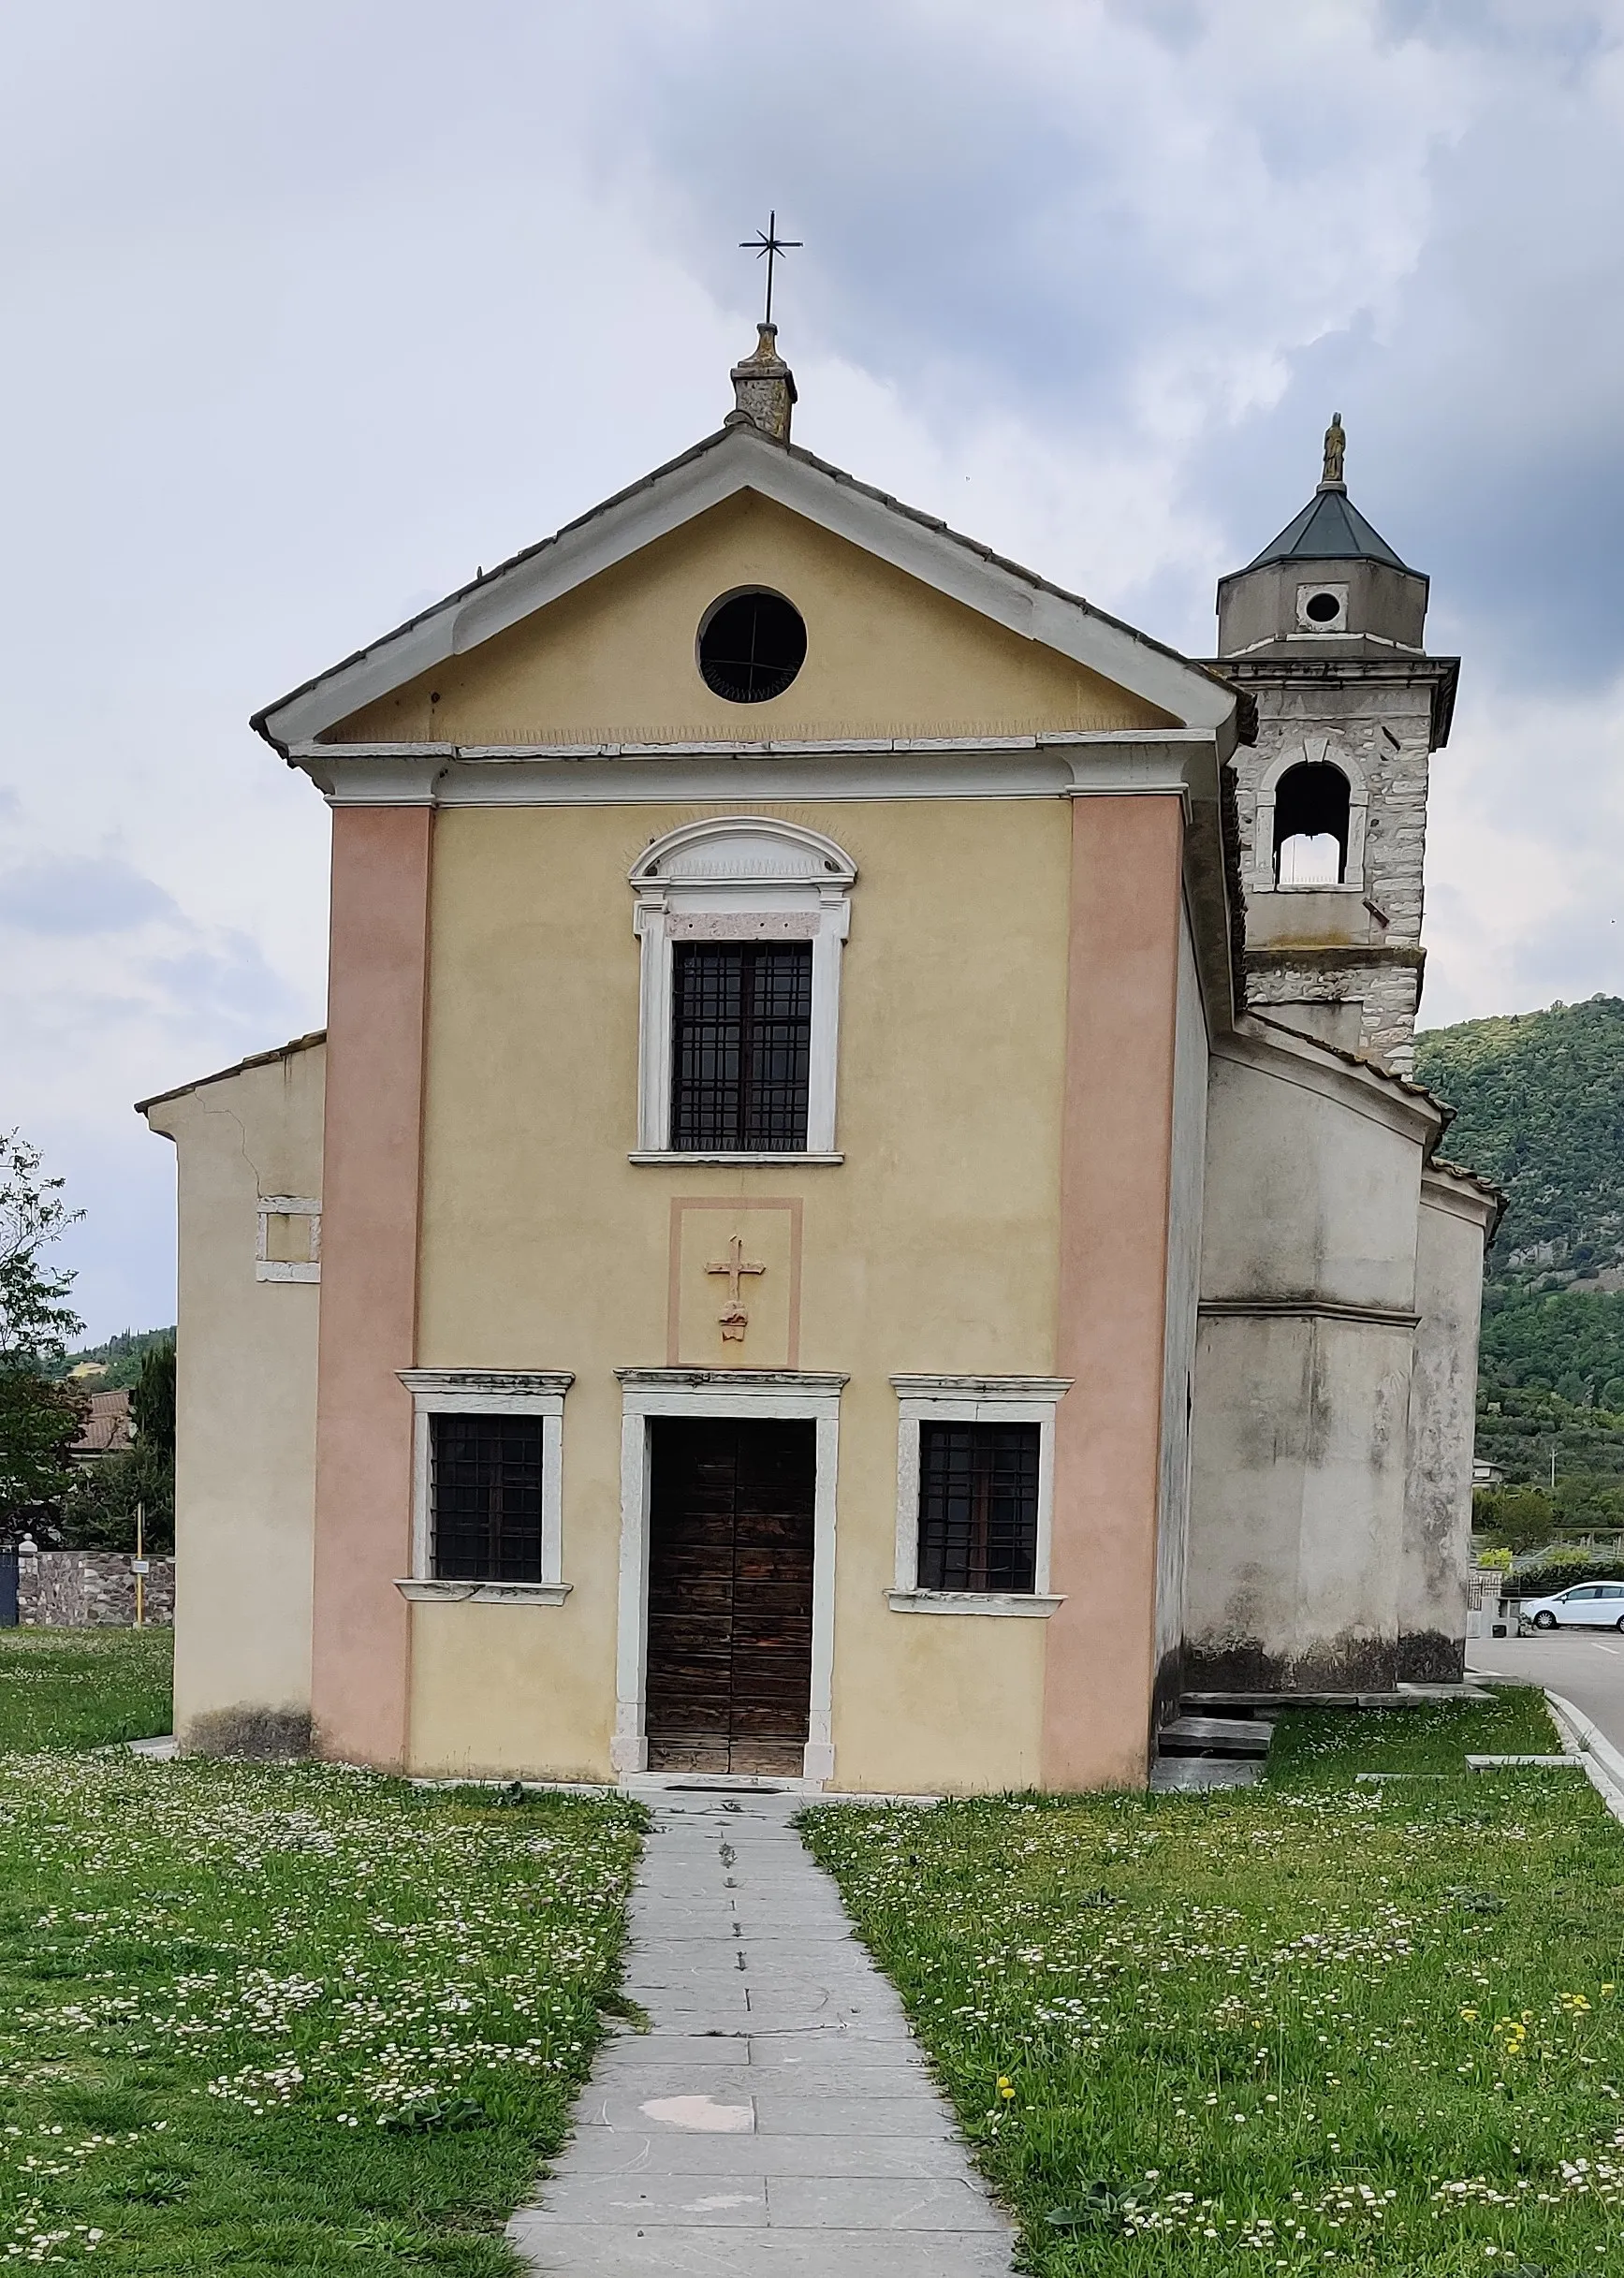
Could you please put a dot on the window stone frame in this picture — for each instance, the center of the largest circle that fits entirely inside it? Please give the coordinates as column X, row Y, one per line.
column 973, row 1399
column 739, row 878
column 488, row 1392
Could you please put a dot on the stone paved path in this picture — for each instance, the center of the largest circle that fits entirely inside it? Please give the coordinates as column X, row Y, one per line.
column 778, row 2121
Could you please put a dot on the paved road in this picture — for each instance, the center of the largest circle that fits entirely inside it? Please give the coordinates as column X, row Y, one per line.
column 1586, row 1668
column 778, row 2121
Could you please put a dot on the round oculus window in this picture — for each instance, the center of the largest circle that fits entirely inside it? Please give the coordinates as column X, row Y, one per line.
column 1323, row 607
column 751, row 646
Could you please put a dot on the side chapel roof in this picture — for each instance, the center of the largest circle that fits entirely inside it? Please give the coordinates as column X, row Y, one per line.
column 254, row 1060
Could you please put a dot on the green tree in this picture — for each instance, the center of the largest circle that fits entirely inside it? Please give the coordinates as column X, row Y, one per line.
column 1517, row 1518
column 39, row 1419
column 100, row 1513
column 153, row 1399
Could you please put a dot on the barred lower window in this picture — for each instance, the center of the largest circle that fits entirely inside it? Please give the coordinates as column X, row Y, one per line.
column 485, row 1497
column 741, row 1046
column 978, row 1506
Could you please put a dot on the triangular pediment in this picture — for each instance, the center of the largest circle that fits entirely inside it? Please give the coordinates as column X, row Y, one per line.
column 590, row 637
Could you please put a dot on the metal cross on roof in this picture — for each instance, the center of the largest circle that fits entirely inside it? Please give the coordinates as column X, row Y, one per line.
column 768, row 241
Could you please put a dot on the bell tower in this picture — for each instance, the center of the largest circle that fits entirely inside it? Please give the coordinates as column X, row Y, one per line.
column 1325, row 631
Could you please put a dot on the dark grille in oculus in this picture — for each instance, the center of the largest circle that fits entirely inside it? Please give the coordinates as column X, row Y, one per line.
column 751, row 648
column 740, row 1046
column 485, row 1496
column 978, row 1506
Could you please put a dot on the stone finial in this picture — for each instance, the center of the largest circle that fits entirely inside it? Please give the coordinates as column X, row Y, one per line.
column 1336, row 443
column 763, row 388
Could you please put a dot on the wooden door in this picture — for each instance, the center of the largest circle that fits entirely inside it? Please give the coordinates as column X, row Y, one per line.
column 730, row 1588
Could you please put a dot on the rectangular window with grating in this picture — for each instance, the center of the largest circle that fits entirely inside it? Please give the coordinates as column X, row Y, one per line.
column 485, row 1497
column 978, row 1498
column 740, row 1046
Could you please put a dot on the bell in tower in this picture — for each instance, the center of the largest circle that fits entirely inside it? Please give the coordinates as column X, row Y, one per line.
column 1326, row 631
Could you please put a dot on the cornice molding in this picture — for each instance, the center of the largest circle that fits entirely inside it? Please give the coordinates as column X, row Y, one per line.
column 1307, row 1308
column 1177, row 763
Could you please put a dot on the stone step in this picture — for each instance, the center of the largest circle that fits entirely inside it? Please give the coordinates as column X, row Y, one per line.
column 1185, row 1775
column 1215, row 1736
column 1271, row 1704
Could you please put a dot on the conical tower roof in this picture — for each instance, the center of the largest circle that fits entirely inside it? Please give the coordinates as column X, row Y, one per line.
column 1330, row 528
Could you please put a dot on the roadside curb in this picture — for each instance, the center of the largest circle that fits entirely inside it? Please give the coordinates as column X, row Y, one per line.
column 1603, row 1763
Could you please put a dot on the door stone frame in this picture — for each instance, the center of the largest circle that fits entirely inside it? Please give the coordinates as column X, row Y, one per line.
column 759, row 1394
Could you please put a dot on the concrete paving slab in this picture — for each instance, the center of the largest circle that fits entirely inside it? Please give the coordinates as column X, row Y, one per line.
column 585, row 2249
column 723, row 2050
column 720, row 2202
column 778, row 2121
column 805, row 2202
column 779, row 2113
column 602, row 2151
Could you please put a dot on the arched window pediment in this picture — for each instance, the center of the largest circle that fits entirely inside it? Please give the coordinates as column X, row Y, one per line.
column 714, row 894
column 735, row 850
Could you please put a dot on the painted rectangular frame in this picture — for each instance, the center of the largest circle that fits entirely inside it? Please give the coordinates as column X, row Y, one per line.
column 787, row 1393
column 793, row 1203
column 489, row 1392
column 960, row 1399
column 267, row 1268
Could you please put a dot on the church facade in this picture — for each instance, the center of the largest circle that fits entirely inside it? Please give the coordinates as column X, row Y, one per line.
column 859, row 1215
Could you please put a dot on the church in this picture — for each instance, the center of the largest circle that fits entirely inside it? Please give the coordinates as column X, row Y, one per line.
column 861, row 1216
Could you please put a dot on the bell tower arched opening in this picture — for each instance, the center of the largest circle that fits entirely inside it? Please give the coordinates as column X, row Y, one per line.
column 1311, row 813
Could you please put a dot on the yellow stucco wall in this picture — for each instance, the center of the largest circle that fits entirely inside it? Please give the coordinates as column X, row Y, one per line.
column 245, row 1408
column 932, row 1247
column 615, row 660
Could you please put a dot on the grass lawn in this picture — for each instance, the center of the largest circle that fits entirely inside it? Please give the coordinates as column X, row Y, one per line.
column 260, row 2019
column 79, row 1689
column 1311, row 2025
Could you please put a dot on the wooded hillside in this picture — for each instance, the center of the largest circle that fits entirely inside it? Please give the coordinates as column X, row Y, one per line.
column 1539, row 1101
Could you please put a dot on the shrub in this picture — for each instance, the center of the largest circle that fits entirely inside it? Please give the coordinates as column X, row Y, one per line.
column 1560, row 1572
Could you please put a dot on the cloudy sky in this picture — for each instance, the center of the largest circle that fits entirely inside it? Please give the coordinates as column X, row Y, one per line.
column 312, row 307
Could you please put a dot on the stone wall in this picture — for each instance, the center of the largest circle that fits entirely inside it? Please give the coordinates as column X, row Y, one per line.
column 90, row 1589
column 1385, row 729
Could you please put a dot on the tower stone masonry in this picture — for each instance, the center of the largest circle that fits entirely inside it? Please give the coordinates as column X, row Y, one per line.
column 1324, row 629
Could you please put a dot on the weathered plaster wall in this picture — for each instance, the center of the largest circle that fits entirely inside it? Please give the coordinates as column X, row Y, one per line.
column 932, row 1247
column 1452, row 1223
column 615, row 660
column 1302, row 1383
column 244, row 1408
column 1188, row 1179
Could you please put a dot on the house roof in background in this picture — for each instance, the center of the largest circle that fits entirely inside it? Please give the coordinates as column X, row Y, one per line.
column 108, row 1428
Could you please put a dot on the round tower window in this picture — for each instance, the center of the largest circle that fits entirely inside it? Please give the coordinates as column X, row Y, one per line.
column 751, row 646
column 1325, row 608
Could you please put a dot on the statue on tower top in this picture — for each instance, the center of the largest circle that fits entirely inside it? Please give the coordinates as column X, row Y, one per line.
column 1336, row 443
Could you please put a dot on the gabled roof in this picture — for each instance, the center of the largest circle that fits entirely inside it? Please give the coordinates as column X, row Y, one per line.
column 1330, row 528
column 739, row 458
column 221, row 1075
column 107, row 1427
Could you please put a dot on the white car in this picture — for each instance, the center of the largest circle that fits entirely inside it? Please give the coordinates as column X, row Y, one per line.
column 1588, row 1605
